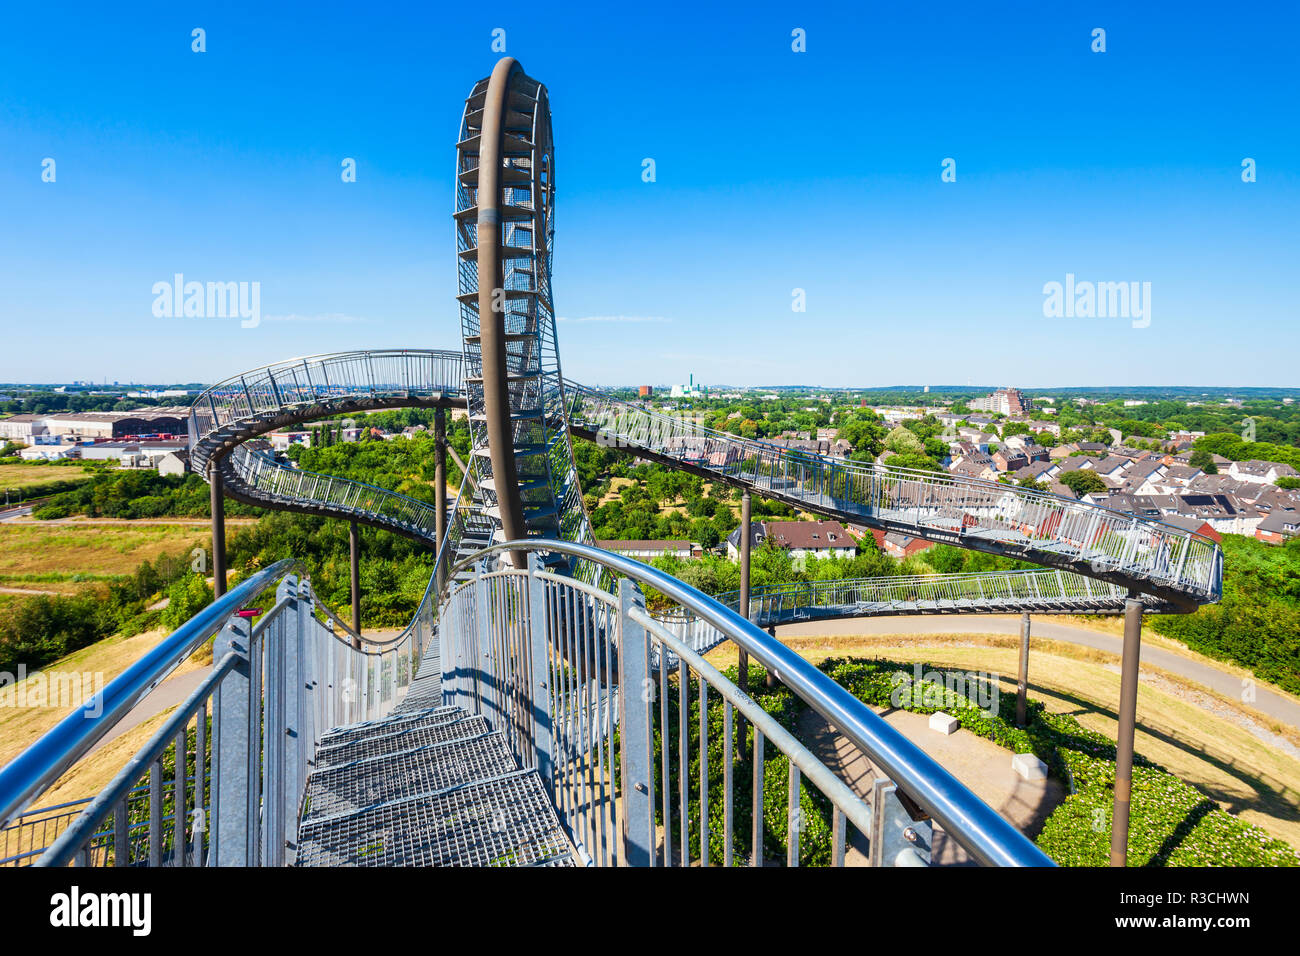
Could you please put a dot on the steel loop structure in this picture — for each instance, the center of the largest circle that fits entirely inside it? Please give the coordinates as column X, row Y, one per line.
column 505, row 224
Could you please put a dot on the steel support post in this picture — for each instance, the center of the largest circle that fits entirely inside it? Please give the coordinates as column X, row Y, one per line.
column 636, row 700
column 218, row 508
column 354, row 556
column 440, row 488
column 770, row 679
column 743, row 663
column 231, row 751
column 1022, row 679
column 1128, row 688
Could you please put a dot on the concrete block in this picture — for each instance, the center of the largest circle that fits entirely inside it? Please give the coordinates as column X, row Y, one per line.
column 944, row 723
column 1029, row 767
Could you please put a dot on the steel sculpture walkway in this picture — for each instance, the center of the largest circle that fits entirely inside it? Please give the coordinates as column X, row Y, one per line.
column 1180, row 567
column 1126, row 552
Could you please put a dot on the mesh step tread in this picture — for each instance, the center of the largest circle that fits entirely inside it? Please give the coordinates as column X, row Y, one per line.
column 347, row 788
column 424, row 692
column 506, row 821
column 389, row 725
column 419, row 733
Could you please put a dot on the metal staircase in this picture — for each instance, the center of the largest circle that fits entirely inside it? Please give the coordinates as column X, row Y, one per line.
column 426, row 786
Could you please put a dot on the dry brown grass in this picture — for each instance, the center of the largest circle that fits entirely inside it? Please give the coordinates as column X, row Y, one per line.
column 20, row 727
column 1211, row 751
column 24, row 476
column 66, row 549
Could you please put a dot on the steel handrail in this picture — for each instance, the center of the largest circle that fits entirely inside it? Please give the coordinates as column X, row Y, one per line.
column 37, row 767
column 320, row 357
column 614, row 417
column 971, row 822
column 81, row 829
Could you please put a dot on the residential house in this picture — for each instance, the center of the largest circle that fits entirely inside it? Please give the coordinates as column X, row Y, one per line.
column 1279, row 527
column 1260, row 472
column 648, row 550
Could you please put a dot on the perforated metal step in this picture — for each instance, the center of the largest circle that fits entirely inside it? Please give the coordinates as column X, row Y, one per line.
column 419, row 733
column 505, row 821
column 347, row 788
column 390, row 724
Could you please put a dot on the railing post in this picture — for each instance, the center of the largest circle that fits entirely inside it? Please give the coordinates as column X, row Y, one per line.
column 354, row 561
column 231, row 753
column 295, row 733
column 636, row 697
column 274, row 767
column 440, row 493
column 896, row 839
column 480, row 675
column 539, row 694
column 1022, row 680
column 745, row 539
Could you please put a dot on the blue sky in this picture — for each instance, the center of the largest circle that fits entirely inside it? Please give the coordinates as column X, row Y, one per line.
column 775, row 170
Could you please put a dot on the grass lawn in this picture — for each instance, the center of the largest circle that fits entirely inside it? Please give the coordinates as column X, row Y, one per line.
column 1213, row 753
column 20, row 476
column 20, row 727
column 39, row 555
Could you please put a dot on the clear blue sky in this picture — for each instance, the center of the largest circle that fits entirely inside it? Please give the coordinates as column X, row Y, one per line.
column 775, row 170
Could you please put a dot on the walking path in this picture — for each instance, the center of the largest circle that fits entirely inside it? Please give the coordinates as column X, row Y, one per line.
column 980, row 764
column 1269, row 702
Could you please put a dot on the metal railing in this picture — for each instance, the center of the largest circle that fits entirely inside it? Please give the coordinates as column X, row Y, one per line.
column 339, row 378
column 622, row 719
column 260, row 476
column 249, row 728
column 1040, row 590
column 1182, row 566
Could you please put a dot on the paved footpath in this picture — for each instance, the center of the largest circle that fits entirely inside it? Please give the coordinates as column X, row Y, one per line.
column 980, row 764
column 1275, row 705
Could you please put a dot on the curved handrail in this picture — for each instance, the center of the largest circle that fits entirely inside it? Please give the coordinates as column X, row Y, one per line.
column 1036, row 588
column 970, row 821
column 37, row 767
column 254, row 474
column 1181, row 566
column 260, row 400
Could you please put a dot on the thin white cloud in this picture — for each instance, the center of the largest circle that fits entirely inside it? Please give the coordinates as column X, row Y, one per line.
column 614, row 318
column 329, row 317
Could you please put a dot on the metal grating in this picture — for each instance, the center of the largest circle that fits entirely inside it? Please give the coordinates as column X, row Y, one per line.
column 506, row 821
column 389, row 725
column 349, row 787
column 420, row 734
column 426, row 688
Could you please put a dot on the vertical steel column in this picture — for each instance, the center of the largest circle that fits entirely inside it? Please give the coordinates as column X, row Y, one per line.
column 770, row 679
column 745, row 536
column 354, row 556
column 440, row 491
column 636, row 733
column 491, row 307
column 1128, row 689
column 1022, row 680
column 231, row 720
column 218, row 509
